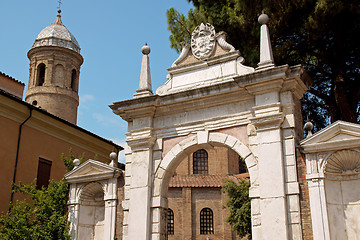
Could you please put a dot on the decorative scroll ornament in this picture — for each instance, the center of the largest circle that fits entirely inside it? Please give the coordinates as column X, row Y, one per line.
column 344, row 162
column 203, row 41
column 221, row 39
column 184, row 52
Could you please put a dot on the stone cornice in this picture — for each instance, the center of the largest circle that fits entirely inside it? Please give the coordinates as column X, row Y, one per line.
column 236, row 89
column 52, row 90
column 41, row 50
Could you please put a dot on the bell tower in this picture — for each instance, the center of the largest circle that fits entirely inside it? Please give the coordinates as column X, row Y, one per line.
column 55, row 62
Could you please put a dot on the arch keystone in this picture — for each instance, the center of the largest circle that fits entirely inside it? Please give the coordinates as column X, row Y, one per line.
column 202, row 137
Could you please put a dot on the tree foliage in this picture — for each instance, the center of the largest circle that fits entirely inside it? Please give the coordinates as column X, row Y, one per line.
column 69, row 161
column 239, row 206
column 319, row 34
column 45, row 215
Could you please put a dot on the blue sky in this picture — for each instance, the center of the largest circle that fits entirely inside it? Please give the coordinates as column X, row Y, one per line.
column 110, row 33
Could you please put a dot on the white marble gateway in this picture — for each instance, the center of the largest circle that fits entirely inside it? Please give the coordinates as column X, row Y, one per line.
column 333, row 175
column 92, row 200
column 212, row 99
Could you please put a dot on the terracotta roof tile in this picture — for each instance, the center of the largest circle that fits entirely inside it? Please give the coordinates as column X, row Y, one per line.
column 203, row 180
column 7, row 76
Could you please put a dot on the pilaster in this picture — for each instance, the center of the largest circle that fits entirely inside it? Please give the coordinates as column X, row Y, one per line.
column 140, row 162
column 267, row 120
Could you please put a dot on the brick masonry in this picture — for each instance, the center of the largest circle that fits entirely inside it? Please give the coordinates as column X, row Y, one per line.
column 304, row 197
column 187, row 202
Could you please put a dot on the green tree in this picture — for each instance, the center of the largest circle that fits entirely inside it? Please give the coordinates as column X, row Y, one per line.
column 319, row 34
column 44, row 216
column 239, row 206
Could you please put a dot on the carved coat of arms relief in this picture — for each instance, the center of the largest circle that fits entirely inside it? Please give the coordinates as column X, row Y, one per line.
column 203, row 41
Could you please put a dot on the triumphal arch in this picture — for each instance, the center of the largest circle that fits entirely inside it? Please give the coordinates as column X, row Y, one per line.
column 212, row 99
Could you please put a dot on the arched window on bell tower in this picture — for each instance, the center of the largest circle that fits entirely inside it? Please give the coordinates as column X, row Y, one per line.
column 73, row 79
column 40, row 74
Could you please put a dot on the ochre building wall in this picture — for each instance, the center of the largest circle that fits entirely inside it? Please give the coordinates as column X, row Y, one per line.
column 42, row 136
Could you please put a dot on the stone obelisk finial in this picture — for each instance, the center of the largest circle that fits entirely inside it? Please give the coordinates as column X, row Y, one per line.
column 266, row 55
column 145, row 88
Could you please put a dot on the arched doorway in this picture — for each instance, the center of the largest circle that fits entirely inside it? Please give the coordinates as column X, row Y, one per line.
column 173, row 158
column 91, row 212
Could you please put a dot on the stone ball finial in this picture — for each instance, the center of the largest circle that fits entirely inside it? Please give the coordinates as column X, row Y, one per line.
column 263, row 18
column 145, row 49
column 308, row 126
column 113, row 155
column 76, row 162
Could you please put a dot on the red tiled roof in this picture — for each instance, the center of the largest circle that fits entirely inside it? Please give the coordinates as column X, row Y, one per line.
column 7, row 76
column 203, row 180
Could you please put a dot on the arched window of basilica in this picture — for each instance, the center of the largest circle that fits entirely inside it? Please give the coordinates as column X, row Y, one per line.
column 206, row 221
column 170, row 222
column 200, row 162
column 40, row 74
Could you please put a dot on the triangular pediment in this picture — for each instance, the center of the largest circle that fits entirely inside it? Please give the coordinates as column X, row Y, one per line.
column 339, row 135
column 92, row 170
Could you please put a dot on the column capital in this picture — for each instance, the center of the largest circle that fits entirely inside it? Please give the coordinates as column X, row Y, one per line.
column 268, row 122
column 140, row 139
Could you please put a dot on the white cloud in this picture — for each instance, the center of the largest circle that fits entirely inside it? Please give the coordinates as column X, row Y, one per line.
column 112, row 121
column 86, row 97
column 99, row 117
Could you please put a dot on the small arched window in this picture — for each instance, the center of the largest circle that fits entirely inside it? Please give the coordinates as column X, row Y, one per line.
column 242, row 165
column 206, row 221
column 73, row 79
column 170, row 222
column 200, row 162
column 41, row 74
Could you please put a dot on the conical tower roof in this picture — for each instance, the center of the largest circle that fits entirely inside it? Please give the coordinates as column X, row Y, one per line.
column 57, row 35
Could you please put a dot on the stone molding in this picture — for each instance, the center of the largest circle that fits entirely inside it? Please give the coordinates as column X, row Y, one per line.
column 268, row 122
